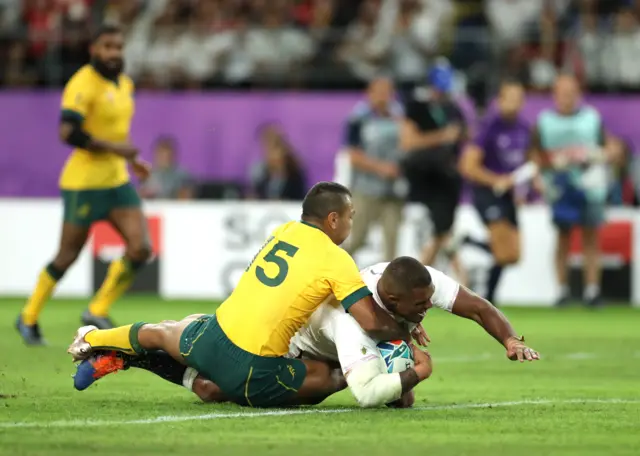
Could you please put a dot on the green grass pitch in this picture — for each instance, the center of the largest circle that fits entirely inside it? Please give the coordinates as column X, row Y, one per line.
column 583, row 398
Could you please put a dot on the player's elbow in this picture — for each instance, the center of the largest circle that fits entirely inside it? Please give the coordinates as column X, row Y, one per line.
column 64, row 132
column 373, row 388
column 366, row 396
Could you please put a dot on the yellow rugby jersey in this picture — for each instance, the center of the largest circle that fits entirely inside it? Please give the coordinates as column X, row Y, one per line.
column 294, row 272
column 106, row 109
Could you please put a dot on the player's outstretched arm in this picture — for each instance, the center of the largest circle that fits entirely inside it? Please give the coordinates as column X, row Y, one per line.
column 378, row 324
column 470, row 305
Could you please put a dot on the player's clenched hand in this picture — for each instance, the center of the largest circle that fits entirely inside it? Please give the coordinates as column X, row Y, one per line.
column 503, row 185
column 141, row 169
column 423, row 366
column 517, row 350
column 420, row 335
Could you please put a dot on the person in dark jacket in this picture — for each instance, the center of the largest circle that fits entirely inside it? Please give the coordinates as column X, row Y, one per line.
column 279, row 176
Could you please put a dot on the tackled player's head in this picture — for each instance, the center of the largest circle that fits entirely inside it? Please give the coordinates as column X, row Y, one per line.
column 107, row 49
column 328, row 205
column 406, row 288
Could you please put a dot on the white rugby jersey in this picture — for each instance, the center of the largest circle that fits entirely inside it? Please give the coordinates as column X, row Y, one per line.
column 332, row 334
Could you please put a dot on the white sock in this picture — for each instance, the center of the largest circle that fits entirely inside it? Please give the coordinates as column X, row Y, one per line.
column 189, row 377
column 591, row 291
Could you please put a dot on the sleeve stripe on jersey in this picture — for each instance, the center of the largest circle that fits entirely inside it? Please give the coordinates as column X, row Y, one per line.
column 355, row 297
column 69, row 115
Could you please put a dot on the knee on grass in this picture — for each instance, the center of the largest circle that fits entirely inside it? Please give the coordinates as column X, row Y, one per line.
column 207, row 391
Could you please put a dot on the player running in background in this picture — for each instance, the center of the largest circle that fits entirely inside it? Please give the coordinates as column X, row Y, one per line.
column 242, row 347
column 97, row 108
column 404, row 287
column 573, row 151
column 488, row 163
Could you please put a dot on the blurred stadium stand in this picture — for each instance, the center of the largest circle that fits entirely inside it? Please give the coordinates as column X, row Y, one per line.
column 327, row 44
column 285, row 45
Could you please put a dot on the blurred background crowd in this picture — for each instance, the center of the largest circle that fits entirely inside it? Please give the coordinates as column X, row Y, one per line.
column 324, row 45
column 197, row 44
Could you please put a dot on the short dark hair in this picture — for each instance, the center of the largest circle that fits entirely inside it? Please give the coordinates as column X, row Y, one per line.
column 106, row 29
column 323, row 199
column 510, row 81
column 405, row 274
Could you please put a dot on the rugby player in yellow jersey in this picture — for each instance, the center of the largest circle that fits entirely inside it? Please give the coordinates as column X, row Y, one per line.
column 242, row 347
column 97, row 108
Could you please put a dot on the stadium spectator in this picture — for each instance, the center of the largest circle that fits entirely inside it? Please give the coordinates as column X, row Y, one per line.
column 416, row 38
column 279, row 176
column 159, row 62
column 198, row 50
column 545, row 57
column 372, row 141
column 621, row 51
column 590, row 42
column 9, row 14
column 75, row 31
column 512, row 20
column 321, row 15
column 167, row 180
column 367, row 40
column 176, row 44
column 275, row 47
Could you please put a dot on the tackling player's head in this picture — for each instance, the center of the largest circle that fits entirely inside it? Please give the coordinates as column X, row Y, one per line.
column 107, row 50
column 510, row 99
column 328, row 206
column 406, row 288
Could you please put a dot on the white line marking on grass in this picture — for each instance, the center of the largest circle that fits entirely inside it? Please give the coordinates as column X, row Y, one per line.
column 312, row 411
column 580, row 356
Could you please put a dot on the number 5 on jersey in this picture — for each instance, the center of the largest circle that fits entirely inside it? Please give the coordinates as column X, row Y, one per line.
column 283, row 267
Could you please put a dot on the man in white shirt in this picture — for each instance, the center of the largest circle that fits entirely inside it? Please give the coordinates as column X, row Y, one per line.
column 404, row 288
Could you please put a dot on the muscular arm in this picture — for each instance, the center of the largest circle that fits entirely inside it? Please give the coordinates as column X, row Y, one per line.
column 72, row 133
column 378, row 324
column 472, row 169
column 363, row 162
column 470, row 305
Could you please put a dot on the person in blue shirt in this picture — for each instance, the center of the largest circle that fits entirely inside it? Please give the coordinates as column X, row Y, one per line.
column 573, row 150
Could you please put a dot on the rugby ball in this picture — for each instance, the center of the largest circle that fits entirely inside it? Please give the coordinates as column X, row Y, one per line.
column 397, row 355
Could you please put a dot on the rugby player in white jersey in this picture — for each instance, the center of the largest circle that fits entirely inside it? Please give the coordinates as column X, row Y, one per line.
column 407, row 290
